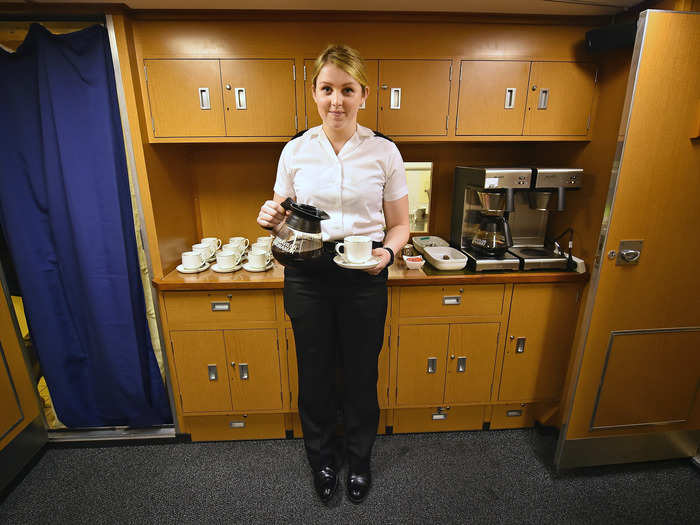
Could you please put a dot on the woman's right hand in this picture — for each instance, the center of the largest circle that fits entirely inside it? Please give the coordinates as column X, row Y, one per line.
column 271, row 215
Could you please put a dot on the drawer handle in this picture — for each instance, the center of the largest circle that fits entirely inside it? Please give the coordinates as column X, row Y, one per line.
column 432, row 365
column 237, row 424
column 439, row 416
column 514, row 413
column 243, row 371
column 213, row 374
column 220, row 306
column 461, row 364
column 448, row 300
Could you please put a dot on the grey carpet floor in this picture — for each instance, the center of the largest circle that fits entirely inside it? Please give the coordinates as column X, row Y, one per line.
column 457, row 477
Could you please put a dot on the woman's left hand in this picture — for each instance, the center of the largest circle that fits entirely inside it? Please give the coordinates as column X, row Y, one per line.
column 384, row 258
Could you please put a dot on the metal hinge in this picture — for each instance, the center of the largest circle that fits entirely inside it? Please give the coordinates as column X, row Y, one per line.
column 450, row 72
column 304, row 73
column 145, row 70
column 294, row 72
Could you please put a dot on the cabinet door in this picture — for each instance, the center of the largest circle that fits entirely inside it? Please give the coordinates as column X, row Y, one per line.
column 259, row 97
column 202, row 374
column 472, row 357
column 545, row 315
column 420, row 369
column 492, row 97
column 254, row 369
column 185, row 98
column 383, row 370
column 560, row 98
column 414, row 96
column 366, row 116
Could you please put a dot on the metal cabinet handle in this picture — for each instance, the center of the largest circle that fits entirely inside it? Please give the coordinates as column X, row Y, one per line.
column 520, row 345
column 544, row 99
column 240, row 98
column 220, row 306
column 204, row 102
column 461, row 364
column 448, row 300
column 395, row 98
column 630, row 255
column 432, row 365
column 510, row 98
column 243, row 371
column 213, row 373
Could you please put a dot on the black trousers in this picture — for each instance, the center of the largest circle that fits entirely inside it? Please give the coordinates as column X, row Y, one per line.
column 337, row 315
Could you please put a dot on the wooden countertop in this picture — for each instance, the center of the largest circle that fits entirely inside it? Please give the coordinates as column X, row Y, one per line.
column 399, row 275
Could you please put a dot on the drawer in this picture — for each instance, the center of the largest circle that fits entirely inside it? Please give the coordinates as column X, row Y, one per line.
column 434, row 420
column 518, row 415
column 466, row 300
column 215, row 310
column 228, row 428
column 298, row 433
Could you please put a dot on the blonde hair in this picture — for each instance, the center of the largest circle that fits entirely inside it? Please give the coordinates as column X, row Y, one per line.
column 344, row 57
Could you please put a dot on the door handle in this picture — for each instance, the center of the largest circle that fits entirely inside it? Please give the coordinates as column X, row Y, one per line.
column 395, row 102
column 243, row 371
column 461, row 364
column 520, row 345
column 630, row 255
column 510, row 98
column 240, row 98
column 213, row 373
column 544, row 99
column 204, row 102
column 432, row 365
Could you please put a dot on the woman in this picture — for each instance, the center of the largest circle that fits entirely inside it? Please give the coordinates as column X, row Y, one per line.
column 357, row 177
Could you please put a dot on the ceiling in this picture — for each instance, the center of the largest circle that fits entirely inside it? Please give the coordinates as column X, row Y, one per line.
column 540, row 7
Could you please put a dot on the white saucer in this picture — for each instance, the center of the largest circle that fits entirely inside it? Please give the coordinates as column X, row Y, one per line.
column 248, row 268
column 196, row 270
column 369, row 263
column 215, row 268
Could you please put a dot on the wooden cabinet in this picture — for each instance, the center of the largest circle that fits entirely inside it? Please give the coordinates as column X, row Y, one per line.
column 414, row 97
column 446, row 363
column 492, row 97
column 259, row 98
column 538, row 341
column 525, row 98
column 227, row 371
column 383, row 370
column 221, row 98
column 560, row 98
column 184, row 97
column 366, row 116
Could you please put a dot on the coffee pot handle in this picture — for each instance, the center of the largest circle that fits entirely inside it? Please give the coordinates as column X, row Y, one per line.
column 287, row 203
column 506, row 232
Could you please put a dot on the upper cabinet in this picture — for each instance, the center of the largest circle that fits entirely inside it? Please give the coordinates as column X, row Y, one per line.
column 185, row 98
column 259, row 97
column 366, row 115
column 199, row 98
column 414, row 97
column 525, row 98
column 560, row 98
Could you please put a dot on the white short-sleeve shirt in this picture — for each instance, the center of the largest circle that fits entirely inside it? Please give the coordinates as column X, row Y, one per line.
column 350, row 187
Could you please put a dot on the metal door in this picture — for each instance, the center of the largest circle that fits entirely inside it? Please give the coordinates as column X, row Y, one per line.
column 633, row 393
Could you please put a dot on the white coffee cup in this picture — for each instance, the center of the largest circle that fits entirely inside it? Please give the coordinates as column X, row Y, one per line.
column 262, row 246
column 239, row 241
column 356, row 249
column 205, row 249
column 266, row 240
column 192, row 260
column 215, row 242
column 226, row 259
column 235, row 248
column 258, row 258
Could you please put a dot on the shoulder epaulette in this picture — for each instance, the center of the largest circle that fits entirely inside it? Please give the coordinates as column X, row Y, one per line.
column 298, row 134
column 377, row 134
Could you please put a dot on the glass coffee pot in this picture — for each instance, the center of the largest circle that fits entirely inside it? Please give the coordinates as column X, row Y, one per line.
column 493, row 235
column 298, row 242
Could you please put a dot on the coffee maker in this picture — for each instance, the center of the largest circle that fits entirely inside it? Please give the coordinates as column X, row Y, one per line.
column 522, row 198
column 483, row 200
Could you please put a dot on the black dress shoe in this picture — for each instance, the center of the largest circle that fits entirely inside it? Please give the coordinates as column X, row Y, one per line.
column 325, row 481
column 358, row 486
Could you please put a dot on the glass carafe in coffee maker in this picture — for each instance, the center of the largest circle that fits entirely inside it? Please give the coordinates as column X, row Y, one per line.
column 493, row 237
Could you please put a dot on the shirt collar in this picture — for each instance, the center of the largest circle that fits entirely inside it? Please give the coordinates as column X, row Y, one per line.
column 361, row 132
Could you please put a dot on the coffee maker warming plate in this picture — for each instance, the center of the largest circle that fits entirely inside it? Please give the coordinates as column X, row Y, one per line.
column 479, row 263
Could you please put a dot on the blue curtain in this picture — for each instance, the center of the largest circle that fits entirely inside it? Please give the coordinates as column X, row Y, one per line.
column 66, row 213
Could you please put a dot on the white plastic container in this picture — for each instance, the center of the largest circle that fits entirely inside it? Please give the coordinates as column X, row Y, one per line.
column 414, row 262
column 445, row 257
column 421, row 242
